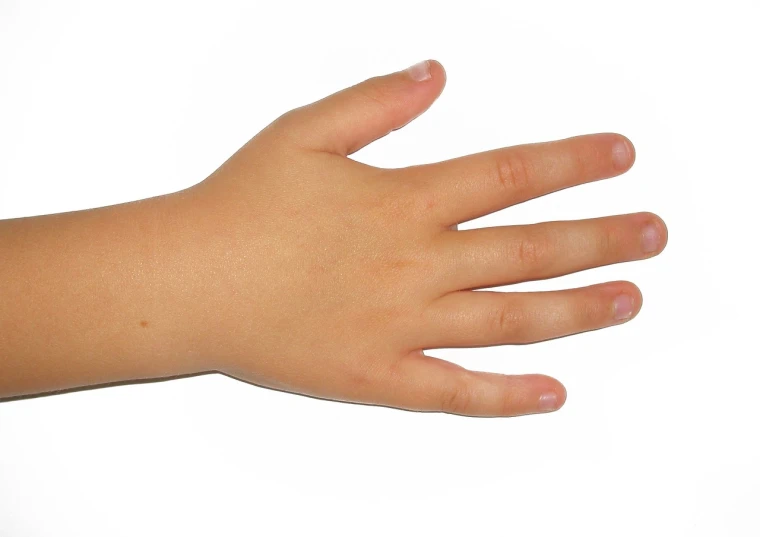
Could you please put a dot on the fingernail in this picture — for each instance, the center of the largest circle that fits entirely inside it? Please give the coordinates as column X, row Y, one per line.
column 547, row 401
column 419, row 71
column 650, row 239
column 623, row 306
column 621, row 154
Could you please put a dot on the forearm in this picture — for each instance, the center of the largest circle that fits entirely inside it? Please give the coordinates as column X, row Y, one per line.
column 91, row 297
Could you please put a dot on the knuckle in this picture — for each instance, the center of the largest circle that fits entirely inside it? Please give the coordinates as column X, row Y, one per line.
column 421, row 201
column 590, row 313
column 457, row 398
column 361, row 379
column 513, row 172
column 580, row 163
column 533, row 251
column 511, row 323
column 402, row 200
column 609, row 242
column 375, row 91
column 504, row 321
column 510, row 404
column 286, row 128
column 289, row 119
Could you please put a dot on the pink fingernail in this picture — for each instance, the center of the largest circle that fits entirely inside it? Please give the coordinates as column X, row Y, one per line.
column 419, row 71
column 547, row 401
column 650, row 239
column 623, row 305
column 621, row 155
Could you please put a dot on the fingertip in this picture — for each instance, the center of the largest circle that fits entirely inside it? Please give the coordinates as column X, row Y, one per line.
column 653, row 234
column 349, row 119
column 561, row 393
column 631, row 149
column 664, row 237
column 438, row 72
column 665, row 234
column 420, row 71
column 429, row 74
column 626, row 300
column 563, row 396
column 639, row 299
column 623, row 153
column 549, row 394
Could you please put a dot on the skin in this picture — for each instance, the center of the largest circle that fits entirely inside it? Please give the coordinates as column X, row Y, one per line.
column 296, row 268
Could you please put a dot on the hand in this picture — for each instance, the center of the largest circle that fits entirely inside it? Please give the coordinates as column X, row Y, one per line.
column 328, row 277
column 294, row 267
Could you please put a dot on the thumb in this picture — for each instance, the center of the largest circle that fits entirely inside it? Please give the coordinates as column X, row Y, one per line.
column 421, row 382
column 346, row 121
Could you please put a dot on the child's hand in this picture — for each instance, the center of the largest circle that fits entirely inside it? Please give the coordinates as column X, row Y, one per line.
column 294, row 267
column 328, row 277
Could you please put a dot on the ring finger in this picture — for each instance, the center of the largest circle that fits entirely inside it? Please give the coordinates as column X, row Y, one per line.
column 480, row 318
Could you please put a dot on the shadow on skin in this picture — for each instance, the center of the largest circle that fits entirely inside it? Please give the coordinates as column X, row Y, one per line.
column 176, row 377
column 103, row 385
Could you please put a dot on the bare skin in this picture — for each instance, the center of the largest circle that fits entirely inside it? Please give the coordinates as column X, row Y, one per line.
column 297, row 268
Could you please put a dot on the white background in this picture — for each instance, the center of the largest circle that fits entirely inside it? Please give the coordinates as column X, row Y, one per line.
column 107, row 102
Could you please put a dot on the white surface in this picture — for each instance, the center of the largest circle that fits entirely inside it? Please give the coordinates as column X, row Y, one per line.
column 102, row 104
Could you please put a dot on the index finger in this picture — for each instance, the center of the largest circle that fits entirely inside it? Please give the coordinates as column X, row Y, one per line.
column 467, row 187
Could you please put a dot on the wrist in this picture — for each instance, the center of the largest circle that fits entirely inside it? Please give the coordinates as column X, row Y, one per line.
column 96, row 296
